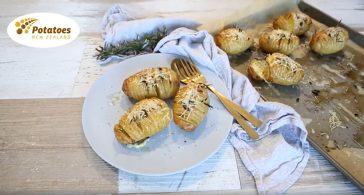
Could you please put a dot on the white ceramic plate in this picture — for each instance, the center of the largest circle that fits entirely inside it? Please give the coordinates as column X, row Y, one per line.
column 171, row 150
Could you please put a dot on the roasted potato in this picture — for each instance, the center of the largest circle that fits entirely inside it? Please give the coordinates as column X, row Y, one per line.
column 278, row 41
column 259, row 69
column 144, row 119
column 329, row 40
column 233, row 40
column 190, row 106
column 296, row 23
column 276, row 68
column 162, row 83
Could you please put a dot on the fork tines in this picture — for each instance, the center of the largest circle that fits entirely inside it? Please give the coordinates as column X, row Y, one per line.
column 185, row 68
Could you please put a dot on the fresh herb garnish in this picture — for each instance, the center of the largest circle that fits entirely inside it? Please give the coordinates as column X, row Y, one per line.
column 141, row 45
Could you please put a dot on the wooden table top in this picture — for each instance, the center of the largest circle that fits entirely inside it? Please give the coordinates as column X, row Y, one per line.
column 42, row 145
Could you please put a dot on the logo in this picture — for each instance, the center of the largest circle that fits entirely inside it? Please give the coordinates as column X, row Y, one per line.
column 24, row 25
column 43, row 30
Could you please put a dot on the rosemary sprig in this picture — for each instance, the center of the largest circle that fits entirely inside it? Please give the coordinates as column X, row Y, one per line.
column 142, row 44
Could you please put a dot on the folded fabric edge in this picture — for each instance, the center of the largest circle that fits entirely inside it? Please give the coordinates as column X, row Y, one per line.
column 241, row 145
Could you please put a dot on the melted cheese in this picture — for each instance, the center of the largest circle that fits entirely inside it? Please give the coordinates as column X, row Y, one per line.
column 189, row 102
column 290, row 64
column 235, row 33
column 298, row 19
column 336, row 33
column 334, row 120
column 276, row 35
column 143, row 110
column 151, row 78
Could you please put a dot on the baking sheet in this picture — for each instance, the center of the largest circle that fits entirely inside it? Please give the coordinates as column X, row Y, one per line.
column 330, row 98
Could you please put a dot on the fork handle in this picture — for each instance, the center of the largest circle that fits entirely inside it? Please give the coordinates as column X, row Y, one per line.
column 230, row 106
column 256, row 122
column 250, row 131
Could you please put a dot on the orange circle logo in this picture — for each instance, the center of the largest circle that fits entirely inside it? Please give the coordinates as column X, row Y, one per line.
column 24, row 24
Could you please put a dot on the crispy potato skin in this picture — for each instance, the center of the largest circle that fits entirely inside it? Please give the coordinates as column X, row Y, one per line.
column 233, row 40
column 296, row 23
column 162, row 83
column 258, row 69
column 144, row 119
column 329, row 40
column 189, row 117
column 284, row 70
column 276, row 68
column 278, row 41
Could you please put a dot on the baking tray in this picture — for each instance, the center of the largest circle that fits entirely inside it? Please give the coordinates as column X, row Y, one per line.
column 330, row 98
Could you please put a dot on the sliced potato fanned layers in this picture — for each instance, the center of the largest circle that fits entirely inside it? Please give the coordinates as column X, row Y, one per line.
column 190, row 106
column 296, row 23
column 276, row 68
column 329, row 40
column 233, row 40
column 279, row 41
column 162, row 83
column 146, row 118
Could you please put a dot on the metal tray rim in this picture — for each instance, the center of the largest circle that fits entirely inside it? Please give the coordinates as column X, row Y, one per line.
column 357, row 38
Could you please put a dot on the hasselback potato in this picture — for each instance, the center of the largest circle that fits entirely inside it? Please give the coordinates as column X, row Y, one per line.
column 296, row 23
column 233, row 40
column 190, row 106
column 144, row 119
column 278, row 41
column 160, row 82
column 276, row 68
column 329, row 40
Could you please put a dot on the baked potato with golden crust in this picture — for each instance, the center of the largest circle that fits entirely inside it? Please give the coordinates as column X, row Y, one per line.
column 276, row 68
column 190, row 106
column 159, row 82
column 329, row 40
column 233, row 40
column 278, row 41
column 296, row 23
column 144, row 119
column 258, row 69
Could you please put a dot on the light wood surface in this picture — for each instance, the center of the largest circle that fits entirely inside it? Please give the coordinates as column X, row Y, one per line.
column 219, row 172
column 43, row 149
column 42, row 146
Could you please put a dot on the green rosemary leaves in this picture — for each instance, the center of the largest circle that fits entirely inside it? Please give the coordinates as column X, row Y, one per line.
column 141, row 45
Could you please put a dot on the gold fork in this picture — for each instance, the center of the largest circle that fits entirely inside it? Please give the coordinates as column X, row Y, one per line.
column 188, row 72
